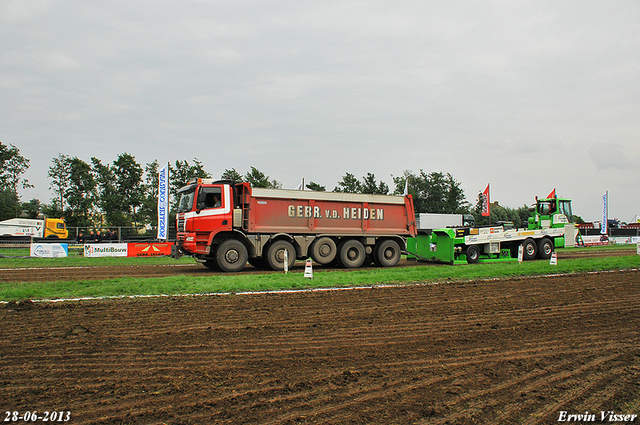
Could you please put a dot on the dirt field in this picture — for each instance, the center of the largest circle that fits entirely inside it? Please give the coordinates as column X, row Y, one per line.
column 490, row 352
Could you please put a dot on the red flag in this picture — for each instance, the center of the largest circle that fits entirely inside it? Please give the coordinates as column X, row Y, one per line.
column 485, row 202
column 552, row 194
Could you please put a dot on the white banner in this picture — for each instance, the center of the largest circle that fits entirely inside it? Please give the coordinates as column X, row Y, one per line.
column 49, row 250
column 605, row 213
column 163, row 202
column 106, row 250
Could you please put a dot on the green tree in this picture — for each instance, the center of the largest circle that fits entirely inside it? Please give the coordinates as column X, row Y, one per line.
column 433, row 193
column 258, row 179
column 12, row 167
column 31, row 208
column 59, row 173
column 232, row 175
column 316, row 187
column 370, row 186
column 120, row 189
column 149, row 209
column 81, row 193
column 349, row 184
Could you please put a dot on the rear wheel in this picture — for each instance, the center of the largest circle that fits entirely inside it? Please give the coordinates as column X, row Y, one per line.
column 530, row 249
column 387, row 253
column 473, row 254
column 323, row 250
column 232, row 255
column 276, row 255
column 352, row 254
column 545, row 248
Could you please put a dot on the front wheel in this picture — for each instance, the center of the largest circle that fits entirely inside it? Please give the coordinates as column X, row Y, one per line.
column 232, row 255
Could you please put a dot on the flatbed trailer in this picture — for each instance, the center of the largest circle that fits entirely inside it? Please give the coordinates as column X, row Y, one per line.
column 549, row 227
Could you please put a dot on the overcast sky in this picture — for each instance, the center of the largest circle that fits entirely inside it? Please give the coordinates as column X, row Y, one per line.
column 525, row 95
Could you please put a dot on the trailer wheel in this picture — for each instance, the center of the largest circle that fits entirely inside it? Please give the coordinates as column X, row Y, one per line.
column 545, row 248
column 232, row 255
column 387, row 253
column 275, row 255
column 352, row 254
column 323, row 250
column 473, row 254
column 530, row 249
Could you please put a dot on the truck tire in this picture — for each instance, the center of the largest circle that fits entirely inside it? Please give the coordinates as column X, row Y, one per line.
column 545, row 248
column 323, row 250
column 211, row 264
column 387, row 253
column 258, row 263
column 473, row 254
column 530, row 249
column 352, row 254
column 232, row 255
column 275, row 255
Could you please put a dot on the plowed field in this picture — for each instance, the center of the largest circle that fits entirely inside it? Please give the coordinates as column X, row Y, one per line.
column 487, row 352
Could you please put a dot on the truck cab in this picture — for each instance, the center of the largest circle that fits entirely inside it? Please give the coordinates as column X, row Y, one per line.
column 55, row 228
column 205, row 209
column 550, row 212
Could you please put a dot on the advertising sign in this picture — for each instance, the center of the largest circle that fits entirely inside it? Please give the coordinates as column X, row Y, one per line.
column 163, row 202
column 49, row 250
column 149, row 249
column 105, row 250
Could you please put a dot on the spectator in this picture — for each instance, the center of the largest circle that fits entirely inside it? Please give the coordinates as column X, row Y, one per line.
column 97, row 237
column 80, row 238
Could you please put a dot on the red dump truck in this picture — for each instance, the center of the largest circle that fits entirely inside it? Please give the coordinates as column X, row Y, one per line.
column 225, row 225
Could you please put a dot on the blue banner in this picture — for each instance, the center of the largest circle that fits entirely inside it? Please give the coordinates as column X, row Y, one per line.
column 163, row 202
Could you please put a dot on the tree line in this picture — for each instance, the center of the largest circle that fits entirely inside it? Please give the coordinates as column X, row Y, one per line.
column 124, row 193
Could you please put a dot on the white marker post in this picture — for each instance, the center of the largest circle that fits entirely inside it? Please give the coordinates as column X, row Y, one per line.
column 308, row 269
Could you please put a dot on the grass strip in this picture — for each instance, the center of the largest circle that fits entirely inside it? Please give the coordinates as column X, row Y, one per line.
column 221, row 283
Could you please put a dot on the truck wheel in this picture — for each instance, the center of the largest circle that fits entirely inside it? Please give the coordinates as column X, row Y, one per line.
column 530, row 249
column 387, row 253
column 211, row 264
column 323, row 250
column 275, row 255
column 352, row 254
column 258, row 263
column 232, row 255
column 473, row 254
column 545, row 248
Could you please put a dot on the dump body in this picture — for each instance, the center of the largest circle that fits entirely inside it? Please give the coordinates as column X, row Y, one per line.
column 308, row 212
column 306, row 223
column 24, row 227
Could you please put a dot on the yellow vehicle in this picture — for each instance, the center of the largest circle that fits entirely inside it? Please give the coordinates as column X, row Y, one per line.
column 53, row 228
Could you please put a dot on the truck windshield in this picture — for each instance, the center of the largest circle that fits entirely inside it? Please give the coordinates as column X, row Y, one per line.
column 565, row 208
column 186, row 200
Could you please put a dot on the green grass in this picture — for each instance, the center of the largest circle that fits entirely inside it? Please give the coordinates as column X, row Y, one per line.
column 221, row 283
